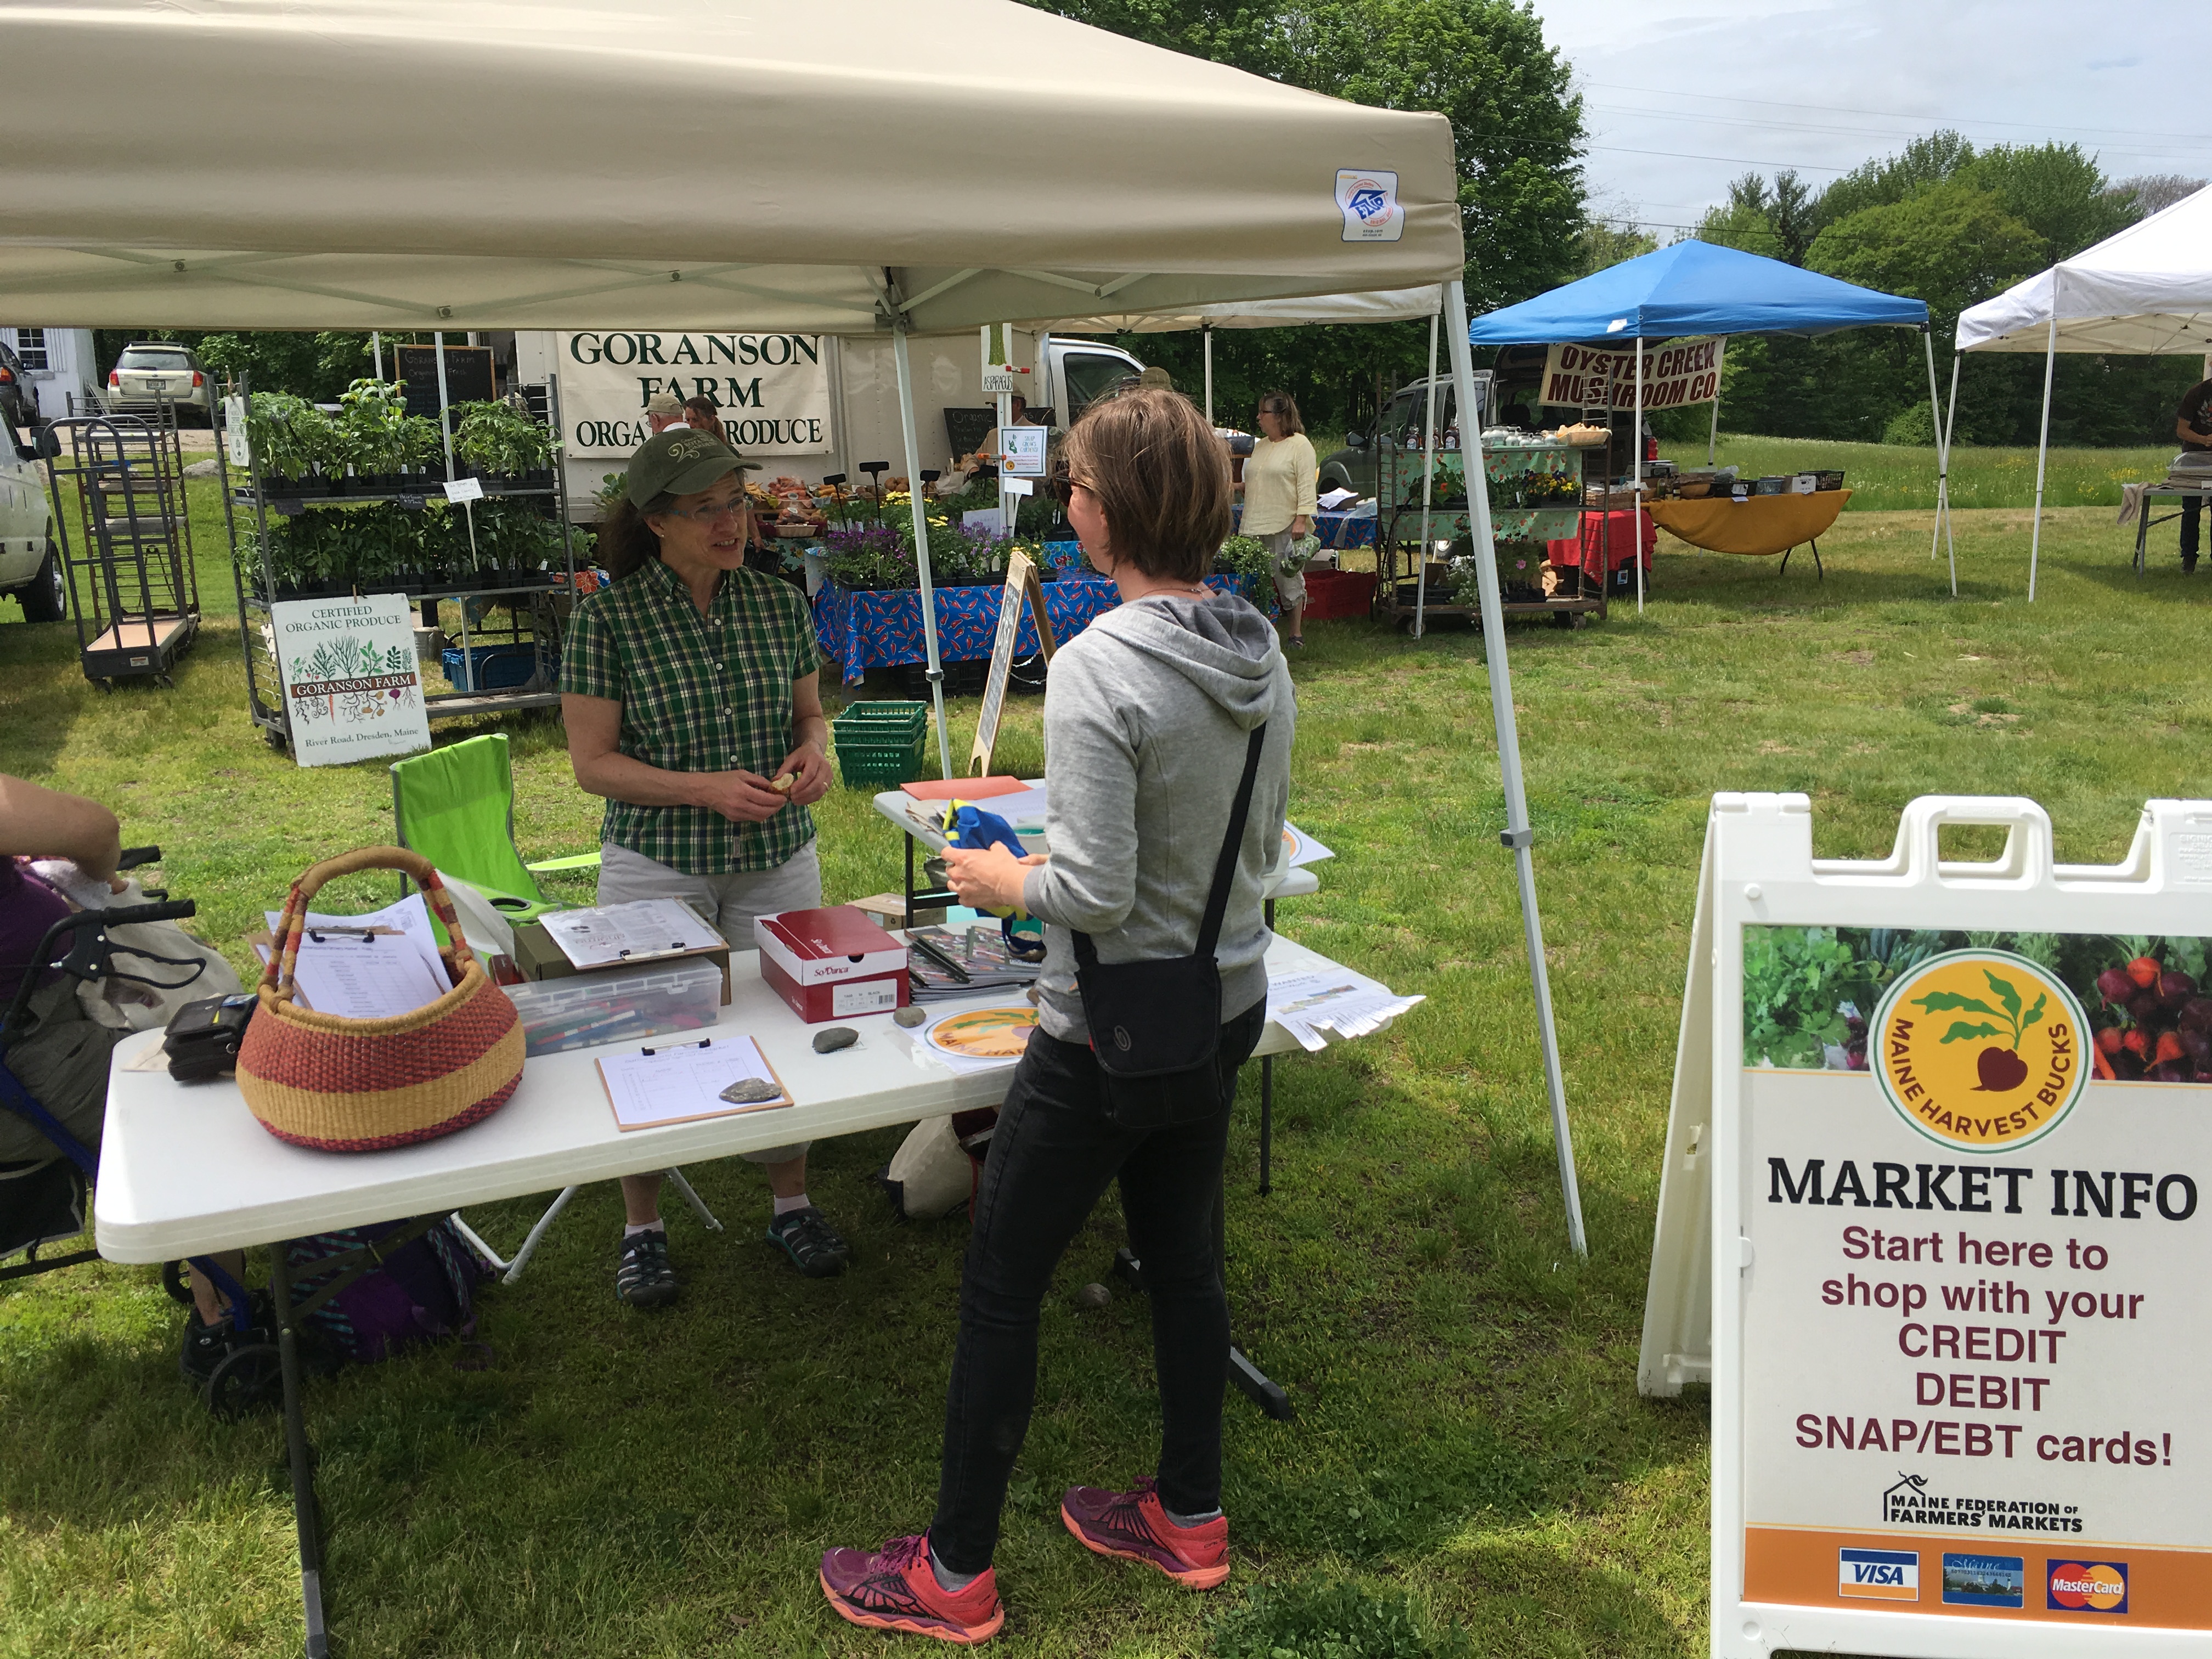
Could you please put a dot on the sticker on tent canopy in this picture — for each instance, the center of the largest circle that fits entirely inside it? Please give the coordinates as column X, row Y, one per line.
column 1369, row 202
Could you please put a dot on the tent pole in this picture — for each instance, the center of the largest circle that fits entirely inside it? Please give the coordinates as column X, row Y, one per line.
column 1205, row 337
column 376, row 351
column 1935, row 419
column 1950, row 423
column 2043, row 444
column 1713, row 437
column 1518, row 836
column 1636, row 541
column 915, row 492
column 1428, row 480
column 445, row 418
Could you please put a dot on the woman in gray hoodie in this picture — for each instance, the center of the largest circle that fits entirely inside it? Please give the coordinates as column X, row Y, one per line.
column 1148, row 719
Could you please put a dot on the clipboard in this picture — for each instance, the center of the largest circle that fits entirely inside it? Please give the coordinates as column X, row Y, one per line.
column 684, row 1080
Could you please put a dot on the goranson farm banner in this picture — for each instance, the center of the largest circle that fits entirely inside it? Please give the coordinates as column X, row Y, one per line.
column 773, row 390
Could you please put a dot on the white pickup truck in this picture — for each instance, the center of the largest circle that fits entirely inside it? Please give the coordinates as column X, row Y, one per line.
column 30, row 564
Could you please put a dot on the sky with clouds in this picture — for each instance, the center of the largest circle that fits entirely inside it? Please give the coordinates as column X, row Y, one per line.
column 1681, row 96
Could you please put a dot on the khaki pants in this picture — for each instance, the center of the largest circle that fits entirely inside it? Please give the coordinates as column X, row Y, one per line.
column 727, row 903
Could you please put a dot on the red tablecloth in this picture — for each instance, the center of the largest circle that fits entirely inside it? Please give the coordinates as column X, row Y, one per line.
column 1567, row 554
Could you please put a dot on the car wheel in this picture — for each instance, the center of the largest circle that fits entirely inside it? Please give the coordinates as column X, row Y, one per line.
column 45, row 596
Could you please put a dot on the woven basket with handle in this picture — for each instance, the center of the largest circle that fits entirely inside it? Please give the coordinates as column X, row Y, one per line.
column 362, row 1085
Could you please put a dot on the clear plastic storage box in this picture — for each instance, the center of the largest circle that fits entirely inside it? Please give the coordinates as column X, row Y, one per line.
column 561, row 1014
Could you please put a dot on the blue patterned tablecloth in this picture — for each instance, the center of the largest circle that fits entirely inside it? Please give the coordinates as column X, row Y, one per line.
column 1335, row 529
column 865, row 628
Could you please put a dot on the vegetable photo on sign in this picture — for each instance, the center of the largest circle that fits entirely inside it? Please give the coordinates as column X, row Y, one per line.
column 1808, row 993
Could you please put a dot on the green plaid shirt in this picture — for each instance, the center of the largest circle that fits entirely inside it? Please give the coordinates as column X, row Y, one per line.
column 698, row 693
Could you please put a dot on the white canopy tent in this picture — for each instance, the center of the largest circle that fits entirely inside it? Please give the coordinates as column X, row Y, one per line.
column 2145, row 291
column 839, row 168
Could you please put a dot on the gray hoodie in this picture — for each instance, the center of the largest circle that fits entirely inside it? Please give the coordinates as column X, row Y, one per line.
column 1147, row 714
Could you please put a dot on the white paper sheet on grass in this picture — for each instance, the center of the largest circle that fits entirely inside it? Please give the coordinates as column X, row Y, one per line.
column 1333, row 1000
column 683, row 1083
column 605, row 935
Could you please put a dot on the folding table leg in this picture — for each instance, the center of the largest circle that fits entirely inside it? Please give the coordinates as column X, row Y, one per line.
column 1267, row 1121
column 1817, row 570
column 530, row 1244
column 698, row 1205
column 300, row 1455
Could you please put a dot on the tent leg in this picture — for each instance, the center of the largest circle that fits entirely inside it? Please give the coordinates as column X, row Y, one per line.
column 1943, row 498
column 1636, row 541
column 915, row 503
column 1205, row 339
column 1518, row 836
column 1713, row 437
column 1428, row 488
column 2043, row 444
column 1935, row 419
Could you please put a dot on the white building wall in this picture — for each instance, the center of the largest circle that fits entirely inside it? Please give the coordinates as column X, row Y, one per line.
column 70, row 367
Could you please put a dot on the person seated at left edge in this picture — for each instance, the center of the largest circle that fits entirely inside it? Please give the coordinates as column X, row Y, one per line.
column 691, row 687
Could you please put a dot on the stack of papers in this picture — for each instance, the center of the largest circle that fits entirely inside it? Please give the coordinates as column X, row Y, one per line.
column 607, row 935
column 1334, row 1000
column 376, row 966
column 980, row 953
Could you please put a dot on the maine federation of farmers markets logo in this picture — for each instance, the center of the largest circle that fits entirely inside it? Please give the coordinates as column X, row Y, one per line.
column 1981, row 1050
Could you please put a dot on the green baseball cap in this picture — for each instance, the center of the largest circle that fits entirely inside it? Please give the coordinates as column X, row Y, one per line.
column 679, row 462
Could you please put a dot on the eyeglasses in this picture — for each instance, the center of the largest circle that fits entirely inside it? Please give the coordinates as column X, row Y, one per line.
column 711, row 515
column 1062, row 486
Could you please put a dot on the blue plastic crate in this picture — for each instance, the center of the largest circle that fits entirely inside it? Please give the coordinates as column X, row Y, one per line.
column 489, row 667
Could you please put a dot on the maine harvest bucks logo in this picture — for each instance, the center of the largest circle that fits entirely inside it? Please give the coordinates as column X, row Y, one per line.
column 1981, row 1050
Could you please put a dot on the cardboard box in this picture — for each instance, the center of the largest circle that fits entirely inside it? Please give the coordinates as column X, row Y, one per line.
column 540, row 957
column 832, row 964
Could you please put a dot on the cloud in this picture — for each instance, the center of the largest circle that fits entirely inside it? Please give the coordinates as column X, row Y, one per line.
column 1681, row 96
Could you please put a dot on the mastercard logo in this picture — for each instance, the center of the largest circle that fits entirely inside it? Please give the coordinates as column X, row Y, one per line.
column 2097, row 1587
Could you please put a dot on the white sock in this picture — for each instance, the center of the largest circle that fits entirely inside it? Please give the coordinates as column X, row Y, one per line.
column 786, row 1206
column 1190, row 1520
column 947, row 1580
column 655, row 1225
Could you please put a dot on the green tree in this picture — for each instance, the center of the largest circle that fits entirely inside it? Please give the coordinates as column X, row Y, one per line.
column 2055, row 189
column 1602, row 246
column 1890, row 178
column 1516, row 132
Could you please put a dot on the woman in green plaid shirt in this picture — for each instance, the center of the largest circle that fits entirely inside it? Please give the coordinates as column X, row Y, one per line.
column 691, row 690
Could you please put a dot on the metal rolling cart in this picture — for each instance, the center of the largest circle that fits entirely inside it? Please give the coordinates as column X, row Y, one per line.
column 133, row 589
column 1511, row 466
column 508, row 623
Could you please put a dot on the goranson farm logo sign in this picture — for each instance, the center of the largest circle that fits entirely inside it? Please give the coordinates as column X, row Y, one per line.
column 770, row 391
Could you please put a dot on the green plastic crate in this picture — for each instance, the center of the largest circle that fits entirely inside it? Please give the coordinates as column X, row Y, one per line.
column 860, row 764
column 882, row 719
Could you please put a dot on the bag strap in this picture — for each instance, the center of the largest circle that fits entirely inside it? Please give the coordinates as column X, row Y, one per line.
column 1225, row 867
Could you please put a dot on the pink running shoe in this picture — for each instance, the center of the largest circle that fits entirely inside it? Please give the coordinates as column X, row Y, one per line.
column 895, row 1589
column 1132, row 1525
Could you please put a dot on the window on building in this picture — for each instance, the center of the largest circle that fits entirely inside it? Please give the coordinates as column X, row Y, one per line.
column 31, row 347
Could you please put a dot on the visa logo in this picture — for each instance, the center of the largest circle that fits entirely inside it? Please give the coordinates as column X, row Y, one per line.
column 1878, row 1575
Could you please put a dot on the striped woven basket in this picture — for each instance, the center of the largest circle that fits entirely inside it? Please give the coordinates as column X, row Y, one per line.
column 362, row 1085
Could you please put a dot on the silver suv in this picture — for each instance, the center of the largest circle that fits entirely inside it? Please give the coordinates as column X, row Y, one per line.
column 151, row 372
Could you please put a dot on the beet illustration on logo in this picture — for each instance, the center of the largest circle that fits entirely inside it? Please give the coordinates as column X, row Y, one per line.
column 1999, row 1066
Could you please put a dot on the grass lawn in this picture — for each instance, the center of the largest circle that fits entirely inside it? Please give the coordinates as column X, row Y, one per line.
column 1470, row 1435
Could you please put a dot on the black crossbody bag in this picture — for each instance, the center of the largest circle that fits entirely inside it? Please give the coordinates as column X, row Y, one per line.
column 1156, row 1025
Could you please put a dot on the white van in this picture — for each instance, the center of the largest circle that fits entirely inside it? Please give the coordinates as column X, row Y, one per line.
column 30, row 567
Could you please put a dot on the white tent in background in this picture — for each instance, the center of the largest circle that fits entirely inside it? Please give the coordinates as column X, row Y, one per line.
column 2146, row 291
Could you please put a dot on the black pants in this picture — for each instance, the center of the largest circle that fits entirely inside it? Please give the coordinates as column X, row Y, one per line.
column 1051, row 1157
column 2192, row 514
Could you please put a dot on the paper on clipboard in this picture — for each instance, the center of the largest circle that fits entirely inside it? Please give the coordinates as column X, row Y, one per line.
column 605, row 935
column 683, row 1083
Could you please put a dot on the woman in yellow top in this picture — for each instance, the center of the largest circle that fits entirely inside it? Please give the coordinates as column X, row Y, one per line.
column 1279, row 481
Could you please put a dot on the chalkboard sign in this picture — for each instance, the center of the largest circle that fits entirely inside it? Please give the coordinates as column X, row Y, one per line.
column 468, row 376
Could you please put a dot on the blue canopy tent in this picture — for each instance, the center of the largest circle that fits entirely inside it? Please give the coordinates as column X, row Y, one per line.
column 1697, row 287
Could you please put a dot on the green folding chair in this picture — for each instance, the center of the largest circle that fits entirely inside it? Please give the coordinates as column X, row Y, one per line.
column 455, row 806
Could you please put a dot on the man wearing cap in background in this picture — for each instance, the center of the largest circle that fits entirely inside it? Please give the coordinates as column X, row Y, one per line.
column 690, row 689
column 663, row 413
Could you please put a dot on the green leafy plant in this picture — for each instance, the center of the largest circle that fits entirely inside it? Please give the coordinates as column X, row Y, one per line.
column 290, row 436
column 1245, row 556
column 373, row 426
column 498, row 440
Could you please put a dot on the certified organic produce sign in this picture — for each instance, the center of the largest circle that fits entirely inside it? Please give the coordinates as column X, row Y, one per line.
column 1951, row 1180
column 772, row 390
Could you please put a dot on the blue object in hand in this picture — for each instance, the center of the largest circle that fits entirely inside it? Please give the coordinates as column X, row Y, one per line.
column 971, row 827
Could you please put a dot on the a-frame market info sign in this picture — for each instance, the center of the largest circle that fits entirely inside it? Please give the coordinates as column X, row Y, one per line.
column 1932, row 1223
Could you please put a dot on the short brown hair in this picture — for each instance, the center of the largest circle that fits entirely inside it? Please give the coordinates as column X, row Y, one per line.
column 1282, row 404
column 1161, row 476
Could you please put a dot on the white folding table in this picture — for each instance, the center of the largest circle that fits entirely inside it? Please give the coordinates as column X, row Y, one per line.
column 185, row 1170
